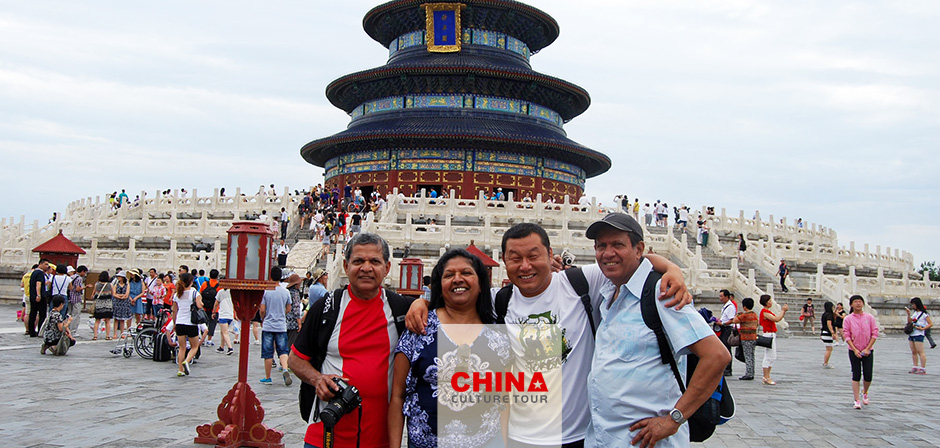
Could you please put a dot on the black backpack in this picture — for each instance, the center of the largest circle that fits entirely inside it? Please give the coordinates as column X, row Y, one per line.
column 208, row 296
column 322, row 319
column 578, row 282
column 719, row 408
column 161, row 348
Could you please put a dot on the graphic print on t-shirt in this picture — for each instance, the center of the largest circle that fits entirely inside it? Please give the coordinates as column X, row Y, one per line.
column 539, row 335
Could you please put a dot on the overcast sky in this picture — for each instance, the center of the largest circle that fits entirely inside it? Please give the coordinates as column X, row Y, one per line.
column 822, row 110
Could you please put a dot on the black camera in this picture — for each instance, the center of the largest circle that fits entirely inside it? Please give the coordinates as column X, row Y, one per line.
column 343, row 402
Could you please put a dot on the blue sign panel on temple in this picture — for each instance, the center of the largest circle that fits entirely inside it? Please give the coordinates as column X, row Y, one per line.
column 445, row 28
column 444, row 34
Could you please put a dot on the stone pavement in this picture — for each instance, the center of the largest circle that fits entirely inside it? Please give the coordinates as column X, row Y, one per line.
column 92, row 398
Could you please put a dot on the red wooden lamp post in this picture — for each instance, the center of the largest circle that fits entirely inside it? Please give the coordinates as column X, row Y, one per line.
column 240, row 413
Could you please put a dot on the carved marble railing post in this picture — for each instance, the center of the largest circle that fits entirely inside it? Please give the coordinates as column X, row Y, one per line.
column 539, row 207
column 203, row 260
column 130, row 257
column 145, row 222
column 408, row 226
column 217, row 255
column 92, row 254
column 907, row 284
column 172, row 228
column 448, row 227
column 172, row 256
column 881, row 279
column 772, row 234
column 4, row 233
column 452, row 203
column 819, row 278
column 853, row 280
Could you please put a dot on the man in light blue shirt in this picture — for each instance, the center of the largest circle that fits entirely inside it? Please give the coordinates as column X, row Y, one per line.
column 317, row 290
column 274, row 308
column 634, row 397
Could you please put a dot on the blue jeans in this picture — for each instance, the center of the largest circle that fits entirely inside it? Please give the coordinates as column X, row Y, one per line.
column 268, row 342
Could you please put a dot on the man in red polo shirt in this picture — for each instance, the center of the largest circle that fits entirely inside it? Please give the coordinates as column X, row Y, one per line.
column 360, row 349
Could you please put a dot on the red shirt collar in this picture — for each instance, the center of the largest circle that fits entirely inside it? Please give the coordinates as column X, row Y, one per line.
column 357, row 298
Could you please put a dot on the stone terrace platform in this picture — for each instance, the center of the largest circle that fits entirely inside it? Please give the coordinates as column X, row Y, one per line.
column 92, row 398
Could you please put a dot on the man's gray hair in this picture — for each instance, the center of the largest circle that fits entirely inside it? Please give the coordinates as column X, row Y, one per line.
column 366, row 239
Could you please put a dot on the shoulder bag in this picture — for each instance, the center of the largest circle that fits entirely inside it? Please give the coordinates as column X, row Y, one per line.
column 765, row 341
column 735, row 339
column 909, row 327
column 197, row 315
column 103, row 303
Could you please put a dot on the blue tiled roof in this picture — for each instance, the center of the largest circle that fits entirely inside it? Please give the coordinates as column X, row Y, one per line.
column 531, row 25
column 468, row 57
column 454, row 129
column 415, row 76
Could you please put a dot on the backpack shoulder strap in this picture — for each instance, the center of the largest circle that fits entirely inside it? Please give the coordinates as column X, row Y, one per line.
column 654, row 322
column 502, row 303
column 326, row 317
column 579, row 283
column 320, row 320
column 399, row 305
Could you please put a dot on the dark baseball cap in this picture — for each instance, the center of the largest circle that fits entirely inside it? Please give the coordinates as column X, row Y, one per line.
column 619, row 221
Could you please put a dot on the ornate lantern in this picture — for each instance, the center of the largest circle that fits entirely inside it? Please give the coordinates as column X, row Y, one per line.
column 249, row 256
column 409, row 280
column 247, row 270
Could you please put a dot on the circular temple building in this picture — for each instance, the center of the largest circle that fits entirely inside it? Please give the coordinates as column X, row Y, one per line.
column 458, row 106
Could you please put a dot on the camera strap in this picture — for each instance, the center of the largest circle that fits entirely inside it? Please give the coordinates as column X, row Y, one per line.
column 328, row 435
column 359, row 424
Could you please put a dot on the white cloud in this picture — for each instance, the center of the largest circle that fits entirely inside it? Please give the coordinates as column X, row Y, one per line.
column 825, row 110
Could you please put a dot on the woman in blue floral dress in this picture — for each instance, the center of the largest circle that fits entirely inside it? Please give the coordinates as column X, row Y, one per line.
column 457, row 339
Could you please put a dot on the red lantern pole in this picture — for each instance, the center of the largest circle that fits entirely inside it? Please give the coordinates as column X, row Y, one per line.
column 240, row 413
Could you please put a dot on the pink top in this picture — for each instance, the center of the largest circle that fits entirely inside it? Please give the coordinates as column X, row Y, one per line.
column 860, row 329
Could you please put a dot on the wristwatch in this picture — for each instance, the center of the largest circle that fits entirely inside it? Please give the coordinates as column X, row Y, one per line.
column 677, row 416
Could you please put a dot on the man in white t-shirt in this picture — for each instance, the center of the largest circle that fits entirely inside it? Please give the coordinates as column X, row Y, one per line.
column 538, row 292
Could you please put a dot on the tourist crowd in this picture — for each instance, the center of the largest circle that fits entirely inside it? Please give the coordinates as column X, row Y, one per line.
column 328, row 338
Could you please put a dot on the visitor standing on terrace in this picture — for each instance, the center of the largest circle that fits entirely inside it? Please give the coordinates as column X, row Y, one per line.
column 920, row 323
column 861, row 332
column 783, row 271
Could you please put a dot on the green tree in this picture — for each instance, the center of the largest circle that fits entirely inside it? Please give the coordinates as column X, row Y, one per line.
column 930, row 271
